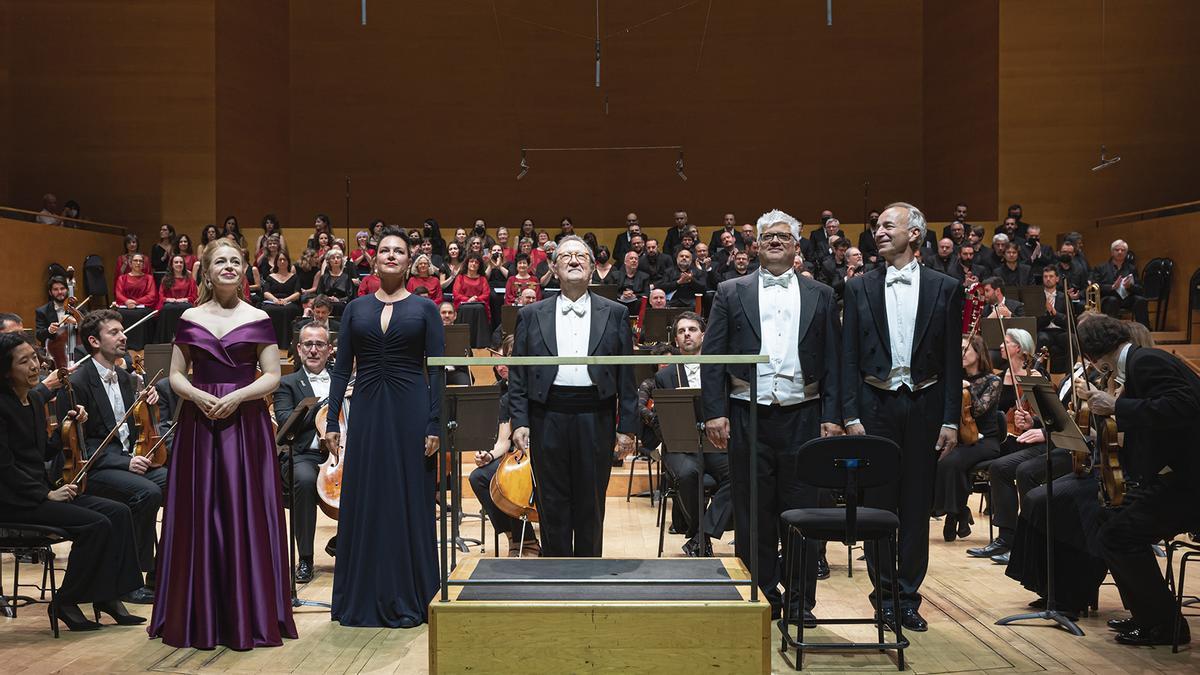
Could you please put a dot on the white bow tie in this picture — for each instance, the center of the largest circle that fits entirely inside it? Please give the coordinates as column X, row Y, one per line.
column 904, row 276
column 110, row 377
column 573, row 306
column 770, row 280
column 323, row 377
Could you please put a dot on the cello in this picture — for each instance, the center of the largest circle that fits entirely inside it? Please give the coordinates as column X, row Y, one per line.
column 329, row 473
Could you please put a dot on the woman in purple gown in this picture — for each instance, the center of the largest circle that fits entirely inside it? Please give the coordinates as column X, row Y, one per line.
column 222, row 564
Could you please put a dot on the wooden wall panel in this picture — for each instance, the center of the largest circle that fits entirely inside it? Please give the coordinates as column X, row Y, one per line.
column 961, row 108
column 30, row 250
column 427, row 106
column 1053, row 117
column 113, row 106
column 5, row 116
column 1174, row 237
column 251, row 111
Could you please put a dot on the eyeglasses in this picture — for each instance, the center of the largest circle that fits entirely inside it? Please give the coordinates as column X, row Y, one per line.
column 572, row 255
column 314, row 344
column 776, row 236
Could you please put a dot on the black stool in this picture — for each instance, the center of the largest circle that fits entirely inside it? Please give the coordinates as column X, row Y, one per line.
column 33, row 540
column 852, row 463
column 1188, row 556
column 710, row 487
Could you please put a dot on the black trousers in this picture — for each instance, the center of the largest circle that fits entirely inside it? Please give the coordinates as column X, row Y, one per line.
column 1113, row 304
column 143, row 495
column 952, row 484
column 686, row 468
column 304, row 497
column 103, row 564
column 571, row 438
column 781, row 432
column 1056, row 340
column 1013, row 476
column 913, row 420
column 1151, row 513
column 481, row 482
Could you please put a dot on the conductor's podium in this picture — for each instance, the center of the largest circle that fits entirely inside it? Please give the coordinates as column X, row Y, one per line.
column 634, row 625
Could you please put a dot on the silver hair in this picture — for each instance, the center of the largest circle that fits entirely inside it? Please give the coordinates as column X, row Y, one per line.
column 916, row 220
column 570, row 237
column 999, row 238
column 776, row 216
column 1113, row 246
column 1023, row 339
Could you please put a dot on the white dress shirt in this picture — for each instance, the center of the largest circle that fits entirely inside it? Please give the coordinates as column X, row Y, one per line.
column 1051, row 299
column 780, row 381
column 573, row 333
column 60, row 311
column 320, row 386
column 692, row 371
column 1121, row 361
column 112, row 387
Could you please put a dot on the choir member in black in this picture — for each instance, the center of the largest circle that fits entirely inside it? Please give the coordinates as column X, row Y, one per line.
column 1038, row 255
column 1011, row 270
column 632, row 283
column 684, row 281
column 794, row 320
column 654, row 263
column 488, row 461
column 866, row 239
column 952, row 484
column 1075, row 276
column 1120, row 287
column 728, row 225
column 624, row 241
column 103, row 564
column 321, row 315
column 943, row 260
column 723, row 251
column 739, row 268
column 106, row 391
column 1052, row 323
column 818, row 239
column 684, row 467
column 1156, row 410
column 606, row 272
column 675, row 234
column 834, row 266
column 564, row 415
column 281, row 297
column 48, row 318
column 336, row 281
column 310, row 380
column 902, row 374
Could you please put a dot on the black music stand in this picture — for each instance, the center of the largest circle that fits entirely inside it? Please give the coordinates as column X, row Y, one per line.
column 508, row 319
column 656, row 326
column 284, row 439
column 608, row 291
column 989, row 326
column 1061, row 432
column 457, row 343
column 682, row 429
column 477, row 407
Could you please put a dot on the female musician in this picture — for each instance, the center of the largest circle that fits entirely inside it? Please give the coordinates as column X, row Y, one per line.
column 386, row 571
column 472, row 286
column 281, row 298
column 103, row 565
column 335, row 281
column 164, row 248
column 1019, row 349
column 222, row 563
column 488, row 461
column 952, row 486
column 137, row 296
column 520, row 280
column 177, row 292
column 424, row 275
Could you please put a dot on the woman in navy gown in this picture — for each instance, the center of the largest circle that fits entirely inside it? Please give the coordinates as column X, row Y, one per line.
column 222, row 563
column 387, row 571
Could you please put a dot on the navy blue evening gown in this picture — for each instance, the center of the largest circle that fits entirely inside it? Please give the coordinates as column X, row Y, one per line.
column 386, row 567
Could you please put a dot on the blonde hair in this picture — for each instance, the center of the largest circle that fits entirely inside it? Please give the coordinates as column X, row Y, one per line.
column 206, row 258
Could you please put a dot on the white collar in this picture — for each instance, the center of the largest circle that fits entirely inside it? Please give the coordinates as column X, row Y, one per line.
column 764, row 272
column 310, row 374
column 584, row 301
column 1121, row 362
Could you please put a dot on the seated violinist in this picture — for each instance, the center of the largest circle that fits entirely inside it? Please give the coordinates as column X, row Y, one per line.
column 488, row 461
column 102, row 387
column 103, row 561
column 310, row 380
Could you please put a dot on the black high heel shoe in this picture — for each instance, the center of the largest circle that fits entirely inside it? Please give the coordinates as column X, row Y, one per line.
column 116, row 610
column 70, row 615
column 949, row 526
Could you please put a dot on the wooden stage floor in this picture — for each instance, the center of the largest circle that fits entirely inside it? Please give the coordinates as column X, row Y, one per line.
column 963, row 597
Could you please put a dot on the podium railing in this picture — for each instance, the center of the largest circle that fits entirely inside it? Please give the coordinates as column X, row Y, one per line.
column 622, row 360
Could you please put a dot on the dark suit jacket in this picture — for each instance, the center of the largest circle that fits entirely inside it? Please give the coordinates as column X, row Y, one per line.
column 1106, row 275
column 685, row 294
column 867, row 345
column 1015, row 306
column 293, row 388
column 656, row 269
column 89, row 392
column 1022, row 276
column 609, row 336
column 1060, row 313
column 1045, row 256
column 168, row 401
column 714, row 242
column 23, row 478
column 1157, row 413
column 44, row 316
column 620, row 247
column 639, row 284
column 734, row 327
column 818, row 242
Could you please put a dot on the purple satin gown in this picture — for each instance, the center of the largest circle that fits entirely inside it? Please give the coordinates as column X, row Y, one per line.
column 222, row 562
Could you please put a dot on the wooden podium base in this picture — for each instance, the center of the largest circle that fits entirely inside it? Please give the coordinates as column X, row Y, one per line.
column 569, row 628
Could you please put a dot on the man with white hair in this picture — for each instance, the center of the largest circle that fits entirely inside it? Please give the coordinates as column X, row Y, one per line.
column 902, row 370
column 794, row 320
column 819, row 239
column 1119, row 285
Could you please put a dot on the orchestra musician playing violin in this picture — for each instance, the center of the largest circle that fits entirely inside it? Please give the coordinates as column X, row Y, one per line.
column 103, row 564
column 106, row 390
column 1156, row 411
column 310, row 380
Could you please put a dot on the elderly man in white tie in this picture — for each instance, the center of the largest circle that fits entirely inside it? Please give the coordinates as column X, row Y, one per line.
column 902, row 369
column 311, row 380
column 565, row 416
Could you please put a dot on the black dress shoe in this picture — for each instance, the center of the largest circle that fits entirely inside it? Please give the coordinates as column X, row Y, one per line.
column 913, row 620
column 995, row 548
column 949, row 526
column 331, row 546
column 964, row 526
column 1122, row 625
column 822, row 568
column 70, row 615
column 1158, row 635
column 1040, row 603
column 142, row 596
column 118, row 613
column 304, row 571
column 810, row 620
column 1001, row 559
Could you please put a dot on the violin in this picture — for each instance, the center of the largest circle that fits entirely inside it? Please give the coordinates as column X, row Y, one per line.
column 968, row 429
column 78, row 477
column 72, row 434
column 148, row 443
column 61, row 346
column 512, row 487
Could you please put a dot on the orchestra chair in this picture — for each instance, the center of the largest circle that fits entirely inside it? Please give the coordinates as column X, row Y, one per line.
column 23, row 539
column 981, row 480
column 852, row 464
column 710, row 486
column 1190, row 555
column 1156, row 288
column 1193, row 303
